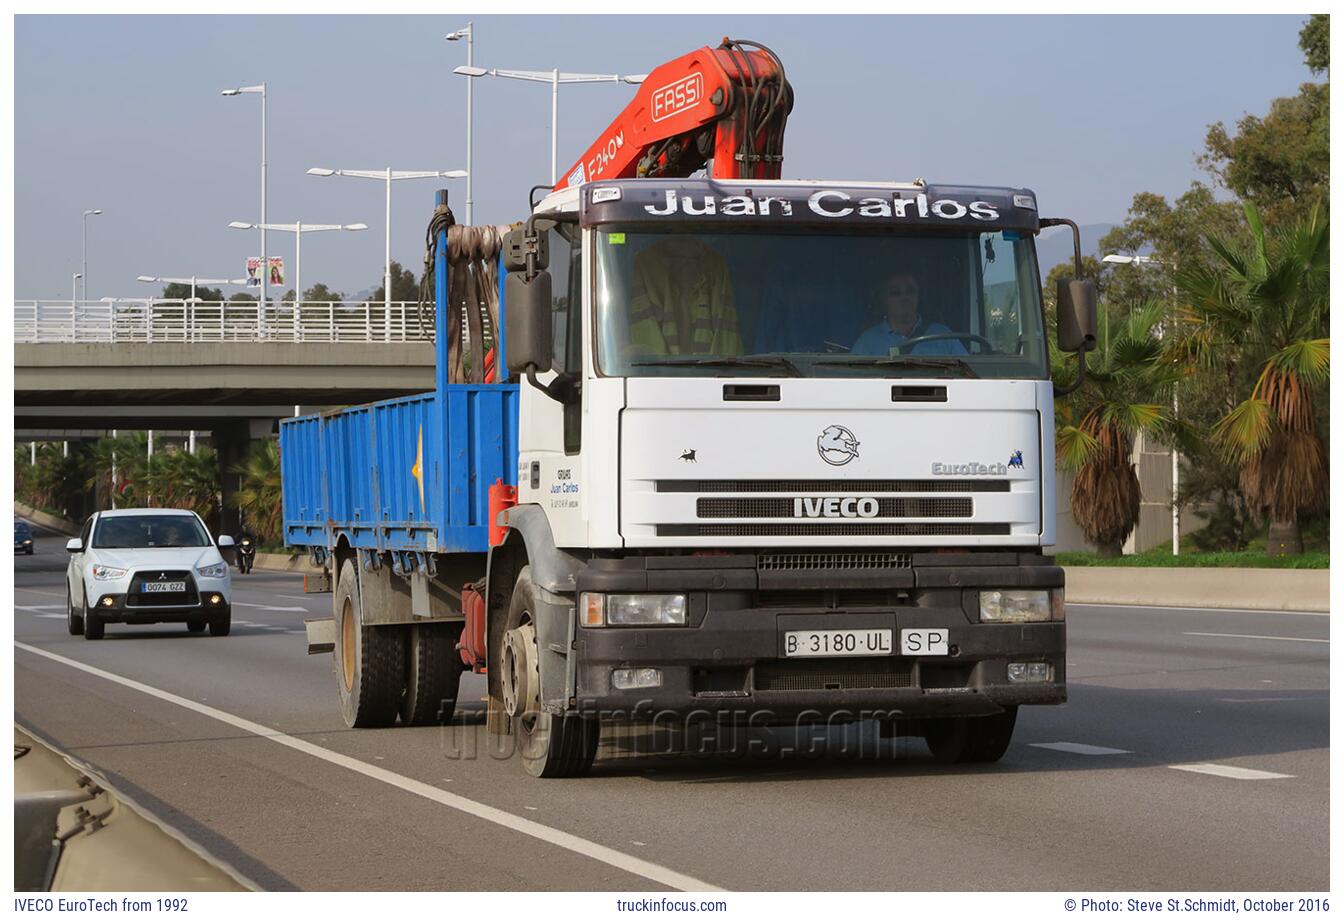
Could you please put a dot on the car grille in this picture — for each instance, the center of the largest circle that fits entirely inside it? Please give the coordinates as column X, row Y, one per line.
column 136, row 596
column 849, row 486
column 846, row 529
column 784, row 507
column 853, row 674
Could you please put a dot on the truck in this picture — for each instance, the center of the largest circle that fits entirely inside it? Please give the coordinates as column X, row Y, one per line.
column 737, row 447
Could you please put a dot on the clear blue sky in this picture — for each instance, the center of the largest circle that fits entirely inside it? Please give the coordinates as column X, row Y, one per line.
column 124, row 113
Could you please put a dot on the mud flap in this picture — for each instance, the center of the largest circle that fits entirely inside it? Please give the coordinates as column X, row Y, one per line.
column 321, row 635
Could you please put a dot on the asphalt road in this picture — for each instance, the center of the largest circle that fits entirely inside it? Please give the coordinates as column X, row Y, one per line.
column 1193, row 755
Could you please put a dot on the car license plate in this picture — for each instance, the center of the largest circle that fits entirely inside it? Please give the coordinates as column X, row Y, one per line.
column 832, row 643
column 162, row 587
column 923, row 641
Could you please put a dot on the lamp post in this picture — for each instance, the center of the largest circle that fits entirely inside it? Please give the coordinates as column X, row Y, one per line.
column 388, row 175
column 470, row 35
column 1117, row 259
column 298, row 228
column 265, row 265
column 74, row 288
column 555, row 78
column 193, row 281
column 84, row 249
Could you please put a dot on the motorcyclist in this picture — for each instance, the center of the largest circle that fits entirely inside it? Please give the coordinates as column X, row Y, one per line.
column 247, row 550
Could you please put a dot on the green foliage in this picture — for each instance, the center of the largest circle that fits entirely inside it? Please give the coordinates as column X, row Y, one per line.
column 1163, row 558
column 243, row 297
column 258, row 495
column 1314, row 40
column 320, row 293
column 404, row 285
column 177, row 291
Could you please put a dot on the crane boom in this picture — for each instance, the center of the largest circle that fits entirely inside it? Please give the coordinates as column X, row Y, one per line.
column 721, row 108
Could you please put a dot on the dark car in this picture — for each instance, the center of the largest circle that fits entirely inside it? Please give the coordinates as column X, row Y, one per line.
column 23, row 538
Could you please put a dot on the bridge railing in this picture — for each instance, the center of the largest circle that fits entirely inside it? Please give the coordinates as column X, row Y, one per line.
column 158, row 320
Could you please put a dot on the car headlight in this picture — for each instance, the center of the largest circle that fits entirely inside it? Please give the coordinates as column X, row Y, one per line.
column 107, row 573
column 632, row 609
column 1015, row 606
column 218, row 570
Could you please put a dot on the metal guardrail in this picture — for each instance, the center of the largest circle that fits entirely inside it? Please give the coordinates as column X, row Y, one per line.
column 158, row 320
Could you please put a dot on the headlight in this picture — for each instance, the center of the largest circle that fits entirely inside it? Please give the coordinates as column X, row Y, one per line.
column 218, row 570
column 632, row 609
column 107, row 573
column 1014, row 606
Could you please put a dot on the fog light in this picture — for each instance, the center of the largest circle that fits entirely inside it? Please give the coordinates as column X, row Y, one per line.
column 216, row 599
column 108, row 602
column 1026, row 672
column 636, row 678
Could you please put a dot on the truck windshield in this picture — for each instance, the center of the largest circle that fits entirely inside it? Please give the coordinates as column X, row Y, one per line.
column 757, row 303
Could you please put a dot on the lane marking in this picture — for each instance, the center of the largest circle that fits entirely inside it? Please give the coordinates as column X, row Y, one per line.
column 35, row 591
column 1273, row 638
column 1263, row 699
column 653, row 872
column 34, row 608
column 1154, row 608
column 1071, row 747
column 267, row 607
column 297, row 597
column 1215, row 769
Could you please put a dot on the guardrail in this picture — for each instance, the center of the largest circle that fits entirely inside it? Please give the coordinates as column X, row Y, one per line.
column 159, row 320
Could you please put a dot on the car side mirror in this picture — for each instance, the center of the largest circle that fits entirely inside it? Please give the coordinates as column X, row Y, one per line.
column 1076, row 314
column 74, row 545
column 225, row 541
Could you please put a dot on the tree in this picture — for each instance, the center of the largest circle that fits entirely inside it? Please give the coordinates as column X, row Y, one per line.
column 177, row 291
column 243, row 297
column 1268, row 303
column 404, row 285
column 1127, row 391
column 320, row 293
column 258, row 495
column 179, row 479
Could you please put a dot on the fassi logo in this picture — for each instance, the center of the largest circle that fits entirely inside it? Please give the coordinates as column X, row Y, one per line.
column 678, row 96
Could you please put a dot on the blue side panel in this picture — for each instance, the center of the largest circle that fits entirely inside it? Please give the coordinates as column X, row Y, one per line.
column 354, row 472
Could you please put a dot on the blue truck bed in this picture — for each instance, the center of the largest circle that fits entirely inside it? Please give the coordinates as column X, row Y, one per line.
column 412, row 473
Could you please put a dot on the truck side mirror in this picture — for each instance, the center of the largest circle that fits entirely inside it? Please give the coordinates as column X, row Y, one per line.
column 515, row 250
column 1076, row 313
column 527, row 334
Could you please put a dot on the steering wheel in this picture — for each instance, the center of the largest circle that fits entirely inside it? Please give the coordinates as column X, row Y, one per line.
column 986, row 346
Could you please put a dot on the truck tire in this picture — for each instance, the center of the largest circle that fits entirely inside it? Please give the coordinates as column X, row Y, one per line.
column 74, row 622
column 971, row 739
column 370, row 661
column 550, row 745
column 433, row 671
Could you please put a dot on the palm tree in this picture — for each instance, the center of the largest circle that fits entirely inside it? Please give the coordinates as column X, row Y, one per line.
column 178, row 479
column 258, row 495
column 124, row 455
column 1267, row 306
column 1128, row 389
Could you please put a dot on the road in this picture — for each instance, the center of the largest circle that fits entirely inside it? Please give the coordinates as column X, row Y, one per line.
column 1193, row 755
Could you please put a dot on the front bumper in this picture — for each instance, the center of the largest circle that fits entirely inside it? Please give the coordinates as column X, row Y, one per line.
column 120, row 601
column 729, row 659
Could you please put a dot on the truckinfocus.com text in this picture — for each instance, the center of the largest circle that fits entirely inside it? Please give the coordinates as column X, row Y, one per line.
column 650, row 905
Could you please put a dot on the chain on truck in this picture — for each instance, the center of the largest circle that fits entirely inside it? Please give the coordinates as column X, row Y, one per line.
column 732, row 446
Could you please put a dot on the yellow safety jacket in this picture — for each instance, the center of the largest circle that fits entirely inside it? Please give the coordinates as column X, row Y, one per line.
column 683, row 303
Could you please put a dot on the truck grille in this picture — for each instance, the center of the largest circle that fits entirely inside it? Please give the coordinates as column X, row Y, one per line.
column 833, row 485
column 784, row 507
column 854, row 674
column 811, row 562
column 846, row 529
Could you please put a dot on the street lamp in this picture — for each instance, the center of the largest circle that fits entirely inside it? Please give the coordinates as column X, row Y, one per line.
column 74, row 288
column 555, row 78
column 84, row 249
column 193, row 281
column 1117, row 259
column 265, row 265
column 470, row 36
column 387, row 175
column 299, row 228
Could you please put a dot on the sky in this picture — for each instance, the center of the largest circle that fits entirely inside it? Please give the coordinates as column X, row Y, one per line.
column 123, row 113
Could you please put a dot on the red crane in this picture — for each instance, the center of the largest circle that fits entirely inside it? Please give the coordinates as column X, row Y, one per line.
column 721, row 108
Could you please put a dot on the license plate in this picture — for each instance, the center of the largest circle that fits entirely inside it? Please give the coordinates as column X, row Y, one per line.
column 833, row 643
column 923, row 641
column 162, row 587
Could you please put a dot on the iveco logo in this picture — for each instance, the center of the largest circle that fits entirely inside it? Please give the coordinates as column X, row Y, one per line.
column 835, row 507
column 837, row 445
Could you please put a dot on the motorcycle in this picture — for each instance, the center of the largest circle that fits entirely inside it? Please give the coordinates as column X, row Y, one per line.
column 247, row 554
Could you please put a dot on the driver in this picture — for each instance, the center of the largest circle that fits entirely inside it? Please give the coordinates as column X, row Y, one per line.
column 897, row 293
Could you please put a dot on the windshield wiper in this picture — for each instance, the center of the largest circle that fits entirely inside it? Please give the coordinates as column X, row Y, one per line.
column 771, row 361
column 942, row 363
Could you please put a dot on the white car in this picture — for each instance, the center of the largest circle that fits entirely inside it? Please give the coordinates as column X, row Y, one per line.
column 146, row 565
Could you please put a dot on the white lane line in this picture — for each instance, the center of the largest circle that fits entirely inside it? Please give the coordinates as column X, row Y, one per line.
column 1216, row 769
column 1154, row 608
column 35, row 591
column 653, row 872
column 1272, row 638
column 1263, row 699
column 36, row 607
column 268, row 607
column 1071, row 747
column 298, row 597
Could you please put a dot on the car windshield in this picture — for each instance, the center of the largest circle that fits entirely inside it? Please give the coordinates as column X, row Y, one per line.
column 149, row 531
column 21, row 530
column 769, row 303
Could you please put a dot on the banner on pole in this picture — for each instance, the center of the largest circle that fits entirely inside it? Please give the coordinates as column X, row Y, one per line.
column 277, row 264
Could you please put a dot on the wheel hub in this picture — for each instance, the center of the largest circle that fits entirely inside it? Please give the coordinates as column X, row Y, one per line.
column 519, row 681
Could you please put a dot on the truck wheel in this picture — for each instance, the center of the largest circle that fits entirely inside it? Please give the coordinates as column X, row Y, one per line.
column 370, row 660
column 550, row 745
column 74, row 623
column 974, row 739
column 433, row 670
